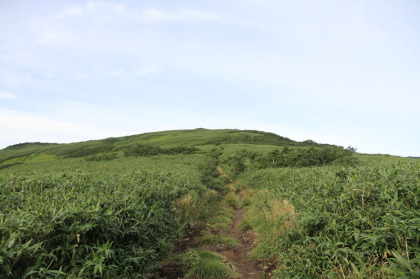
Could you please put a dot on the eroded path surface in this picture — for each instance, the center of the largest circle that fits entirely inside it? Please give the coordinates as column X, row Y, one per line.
column 237, row 256
column 240, row 255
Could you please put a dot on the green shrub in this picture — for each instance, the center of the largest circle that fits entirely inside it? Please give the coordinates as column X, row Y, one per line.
column 210, row 175
column 217, row 239
column 150, row 150
column 231, row 200
column 204, row 264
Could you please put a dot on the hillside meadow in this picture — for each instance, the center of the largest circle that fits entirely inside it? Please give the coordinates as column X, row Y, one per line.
column 115, row 208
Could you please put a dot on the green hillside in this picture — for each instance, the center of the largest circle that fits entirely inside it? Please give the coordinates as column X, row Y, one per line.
column 202, row 139
column 146, row 205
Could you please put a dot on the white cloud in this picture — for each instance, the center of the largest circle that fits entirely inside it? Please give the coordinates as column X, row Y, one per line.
column 19, row 126
column 12, row 120
column 146, row 71
column 78, row 76
column 141, row 71
column 112, row 12
column 156, row 15
column 106, row 28
column 116, row 73
column 90, row 9
column 7, row 95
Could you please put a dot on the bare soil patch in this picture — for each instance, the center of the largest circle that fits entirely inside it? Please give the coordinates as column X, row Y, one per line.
column 240, row 255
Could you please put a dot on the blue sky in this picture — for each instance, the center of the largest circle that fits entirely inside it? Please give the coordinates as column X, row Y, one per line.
column 339, row 72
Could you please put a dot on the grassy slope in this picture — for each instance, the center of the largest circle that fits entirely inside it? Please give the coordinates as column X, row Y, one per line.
column 56, row 159
column 202, row 138
column 35, row 154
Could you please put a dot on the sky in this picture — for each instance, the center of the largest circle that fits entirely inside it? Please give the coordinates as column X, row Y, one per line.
column 333, row 71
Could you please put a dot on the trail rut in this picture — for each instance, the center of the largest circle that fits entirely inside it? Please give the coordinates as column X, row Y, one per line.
column 240, row 255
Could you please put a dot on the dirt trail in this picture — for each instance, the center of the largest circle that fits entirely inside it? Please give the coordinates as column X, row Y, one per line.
column 240, row 255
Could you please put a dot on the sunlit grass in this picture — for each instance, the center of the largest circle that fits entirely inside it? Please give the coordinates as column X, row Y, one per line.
column 217, row 239
column 204, row 264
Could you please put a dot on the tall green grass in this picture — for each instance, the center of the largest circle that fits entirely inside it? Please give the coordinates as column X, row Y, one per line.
column 204, row 264
column 88, row 220
column 339, row 222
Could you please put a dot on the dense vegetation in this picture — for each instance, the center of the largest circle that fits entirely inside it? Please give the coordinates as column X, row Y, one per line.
column 186, row 141
column 113, row 208
column 96, row 223
column 149, row 150
column 339, row 222
column 289, row 157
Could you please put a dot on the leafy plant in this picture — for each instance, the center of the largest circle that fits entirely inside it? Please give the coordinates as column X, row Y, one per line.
column 204, row 264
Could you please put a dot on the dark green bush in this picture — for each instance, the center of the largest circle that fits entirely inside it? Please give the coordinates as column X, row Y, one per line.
column 210, row 175
column 303, row 157
column 149, row 150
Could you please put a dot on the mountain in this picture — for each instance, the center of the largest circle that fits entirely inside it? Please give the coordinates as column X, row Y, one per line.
column 199, row 139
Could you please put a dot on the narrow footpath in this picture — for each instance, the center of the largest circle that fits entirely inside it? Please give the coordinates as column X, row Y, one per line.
column 222, row 235
column 240, row 255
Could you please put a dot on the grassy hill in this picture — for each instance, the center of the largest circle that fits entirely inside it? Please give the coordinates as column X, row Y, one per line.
column 202, row 139
column 115, row 208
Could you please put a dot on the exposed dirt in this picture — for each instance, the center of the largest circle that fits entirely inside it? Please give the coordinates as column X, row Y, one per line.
column 169, row 271
column 189, row 240
column 176, row 270
column 240, row 255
